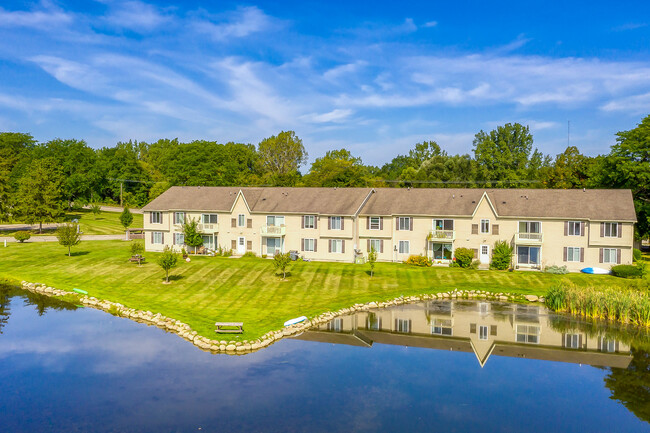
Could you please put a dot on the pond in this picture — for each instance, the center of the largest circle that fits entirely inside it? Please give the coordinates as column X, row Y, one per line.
column 459, row 366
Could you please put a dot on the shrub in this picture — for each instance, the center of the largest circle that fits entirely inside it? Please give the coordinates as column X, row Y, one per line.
column 22, row 236
column 501, row 256
column 249, row 254
column 454, row 264
column 281, row 262
column 68, row 235
column 418, row 260
column 558, row 270
column 464, row 257
column 372, row 259
column 227, row 253
column 264, row 256
column 637, row 254
column 167, row 260
column 627, row 271
column 475, row 264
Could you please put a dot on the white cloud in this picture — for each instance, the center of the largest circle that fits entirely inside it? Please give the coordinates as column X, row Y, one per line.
column 47, row 15
column 136, row 16
column 336, row 115
column 241, row 23
column 638, row 104
column 430, row 24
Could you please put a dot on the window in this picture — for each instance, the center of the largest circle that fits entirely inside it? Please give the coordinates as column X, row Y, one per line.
column 441, row 327
column 309, row 245
column 573, row 254
column 209, row 241
column 404, row 247
column 527, row 334
column 337, row 245
column 179, row 217
column 574, row 228
column 485, row 226
column 483, row 308
column 376, row 245
column 403, row 325
column 440, row 224
column 375, row 223
column 483, row 332
column 241, row 220
column 530, row 227
column 157, row 238
column 273, row 245
column 404, row 223
column 610, row 230
column 335, row 223
column 156, row 217
column 209, row 218
column 309, row 221
column 373, row 322
column 272, row 220
column 440, row 251
column 485, row 250
column 179, row 238
column 607, row 345
column 335, row 325
column 528, row 255
column 610, row 255
column 572, row 341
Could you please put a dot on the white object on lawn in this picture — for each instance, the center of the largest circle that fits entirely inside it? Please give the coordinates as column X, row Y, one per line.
column 294, row 321
column 595, row 271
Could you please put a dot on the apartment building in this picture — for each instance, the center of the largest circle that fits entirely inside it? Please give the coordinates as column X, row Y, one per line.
column 576, row 228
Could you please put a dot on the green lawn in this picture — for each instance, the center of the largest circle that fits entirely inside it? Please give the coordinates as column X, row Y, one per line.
column 106, row 223
column 213, row 289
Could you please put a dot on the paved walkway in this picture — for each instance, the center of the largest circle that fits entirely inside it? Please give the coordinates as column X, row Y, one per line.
column 54, row 239
column 12, row 227
column 115, row 209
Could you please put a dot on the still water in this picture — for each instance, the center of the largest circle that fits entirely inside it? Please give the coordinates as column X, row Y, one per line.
column 438, row 366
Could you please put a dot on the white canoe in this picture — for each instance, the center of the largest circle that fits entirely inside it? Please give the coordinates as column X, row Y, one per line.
column 595, row 271
column 294, row 321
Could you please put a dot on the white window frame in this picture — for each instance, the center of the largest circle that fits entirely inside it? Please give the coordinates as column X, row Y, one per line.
column 575, row 227
column 442, row 250
column 485, row 226
column 539, row 257
column 483, row 308
column 403, row 326
column 209, row 219
column 528, row 225
column 607, row 255
column 404, row 247
column 156, row 218
column 335, row 325
column 337, row 246
column 572, row 253
column 442, row 224
column 176, row 218
column 404, row 223
column 335, row 223
column 241, row 220
column 375, row 223
column 376, row 244
column 607, row 345
column 309, row 245
column 611, row 228
column 157, row 238
column 309, row 221
column 572, row 341
column 483, row 332
column 442, row 327
column 179, row 238
column 528, row 332
column 278, row 220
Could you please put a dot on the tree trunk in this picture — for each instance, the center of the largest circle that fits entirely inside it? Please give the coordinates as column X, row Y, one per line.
column 69, row 251
column 167, row 276
column 40, row 228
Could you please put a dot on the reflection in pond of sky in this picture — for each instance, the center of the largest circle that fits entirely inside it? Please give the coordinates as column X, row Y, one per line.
column 84, row 370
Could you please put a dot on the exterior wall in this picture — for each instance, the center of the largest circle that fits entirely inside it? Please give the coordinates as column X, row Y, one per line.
column 356, row 233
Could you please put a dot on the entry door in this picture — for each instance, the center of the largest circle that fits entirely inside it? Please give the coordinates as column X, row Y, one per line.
column 484, row 254
column 241, row 245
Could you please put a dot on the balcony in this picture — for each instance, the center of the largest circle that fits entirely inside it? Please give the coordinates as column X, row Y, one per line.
column 209, row 228
column 442, row 235
column 273, row 230
column 528, row 238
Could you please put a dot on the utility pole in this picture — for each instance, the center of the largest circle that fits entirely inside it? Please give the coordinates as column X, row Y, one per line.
column 568, row 133
column 121, row 188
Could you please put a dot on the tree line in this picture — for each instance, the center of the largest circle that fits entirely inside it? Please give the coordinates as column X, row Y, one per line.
column 38, row 181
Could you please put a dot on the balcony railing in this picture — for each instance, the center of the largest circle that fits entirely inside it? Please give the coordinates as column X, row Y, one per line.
column 209, row 228
column 273, row 230
column 529, row 238
column 443, row 234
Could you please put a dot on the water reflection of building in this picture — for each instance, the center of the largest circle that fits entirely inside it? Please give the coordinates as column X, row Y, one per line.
column 522, row 331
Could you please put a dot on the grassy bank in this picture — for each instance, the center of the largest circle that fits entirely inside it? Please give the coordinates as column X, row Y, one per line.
column 106, row 223
column 210, row 289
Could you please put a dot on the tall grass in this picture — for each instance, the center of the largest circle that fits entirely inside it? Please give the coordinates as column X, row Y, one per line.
column 625, row 304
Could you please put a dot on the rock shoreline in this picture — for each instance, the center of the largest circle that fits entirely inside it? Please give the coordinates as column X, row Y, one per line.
column 184, row 330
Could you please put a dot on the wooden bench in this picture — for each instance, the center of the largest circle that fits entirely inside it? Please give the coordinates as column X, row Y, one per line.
column 230, row 327
column 137, row 259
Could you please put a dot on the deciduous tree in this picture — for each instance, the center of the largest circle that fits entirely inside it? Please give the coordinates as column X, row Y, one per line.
column 167, row 261
column 280, row 158
column 40, row 193
column 68, row 235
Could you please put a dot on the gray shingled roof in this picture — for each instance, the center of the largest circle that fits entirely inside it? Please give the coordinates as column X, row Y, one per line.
column 594, row 204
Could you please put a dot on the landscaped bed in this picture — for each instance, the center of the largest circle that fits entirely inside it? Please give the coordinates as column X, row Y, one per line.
column 211, row 289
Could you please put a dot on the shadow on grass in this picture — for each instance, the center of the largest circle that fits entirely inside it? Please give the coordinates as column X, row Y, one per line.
column 79, row 253
column 279, row 274
column 176, row 277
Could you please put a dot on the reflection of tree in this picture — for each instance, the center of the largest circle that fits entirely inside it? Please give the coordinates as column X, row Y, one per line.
column 41, row 302
column 631, row 386
column 4, row 307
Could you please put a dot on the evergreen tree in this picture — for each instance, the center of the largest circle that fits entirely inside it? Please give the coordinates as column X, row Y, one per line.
column 40, row 193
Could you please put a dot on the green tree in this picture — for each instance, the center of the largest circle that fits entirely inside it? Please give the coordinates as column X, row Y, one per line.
column 167, row 260
column 570, row 169
column 504, row 156
column 137, row 248
column 126, row 219
column 68, row 235
column 281, row 263
column 192, row 234
column 14, row 153
column 338, row 168
column 372, row 260
column 631, row 386
column 22, row 236
column 501, row 255
column 628, row 166
column 96, row 209
column 280, row 158
column 40, row 193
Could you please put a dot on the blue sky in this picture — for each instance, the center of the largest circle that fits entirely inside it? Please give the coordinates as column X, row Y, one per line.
column 374, row 77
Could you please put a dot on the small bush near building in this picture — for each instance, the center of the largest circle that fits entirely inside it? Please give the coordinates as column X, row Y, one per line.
column 627, row 271
column 637, row 254
column 22, row 236
column 501, row 256
column 557, row 270
column 227, row 253
column 464, row 257
column 418, row 260
column 249, row 254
